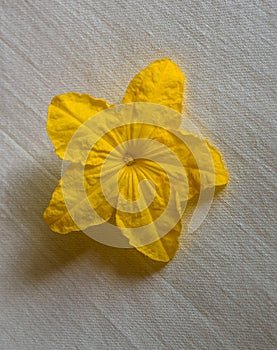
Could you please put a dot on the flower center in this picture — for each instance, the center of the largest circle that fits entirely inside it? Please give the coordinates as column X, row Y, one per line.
column 128, row 159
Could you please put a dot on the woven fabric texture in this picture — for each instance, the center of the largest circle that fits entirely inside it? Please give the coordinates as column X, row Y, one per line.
column 70, row 292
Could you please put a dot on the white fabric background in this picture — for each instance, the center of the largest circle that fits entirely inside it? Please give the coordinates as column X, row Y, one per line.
column 69, row 292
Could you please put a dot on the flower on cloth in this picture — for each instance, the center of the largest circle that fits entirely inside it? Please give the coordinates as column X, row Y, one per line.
column 105, row 181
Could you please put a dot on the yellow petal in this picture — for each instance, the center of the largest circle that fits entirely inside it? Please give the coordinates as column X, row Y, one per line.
column 197, row 156
column 165, row 248
column 70, row 206
column 66, row 114
column 56, row 215
column 162, row 82
column 144, row 225
column 129, row 180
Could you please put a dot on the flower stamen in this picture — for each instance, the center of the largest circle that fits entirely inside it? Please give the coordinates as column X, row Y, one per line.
column 128, row 159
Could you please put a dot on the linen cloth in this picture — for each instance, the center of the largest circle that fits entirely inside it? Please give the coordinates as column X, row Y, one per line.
column 70, row 292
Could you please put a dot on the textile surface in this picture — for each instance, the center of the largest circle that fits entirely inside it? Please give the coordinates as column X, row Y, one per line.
column 70, row 292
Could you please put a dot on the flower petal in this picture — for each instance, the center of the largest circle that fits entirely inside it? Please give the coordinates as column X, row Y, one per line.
column 147, row 225
column 70, row 206
column 204, row 165
column 66, row 114
column 162, row 82
column 56, row 215
column 133, row 207
column 165, row 248
column 202, row 161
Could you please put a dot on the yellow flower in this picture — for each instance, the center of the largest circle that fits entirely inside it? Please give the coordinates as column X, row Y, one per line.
column 88, row 180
